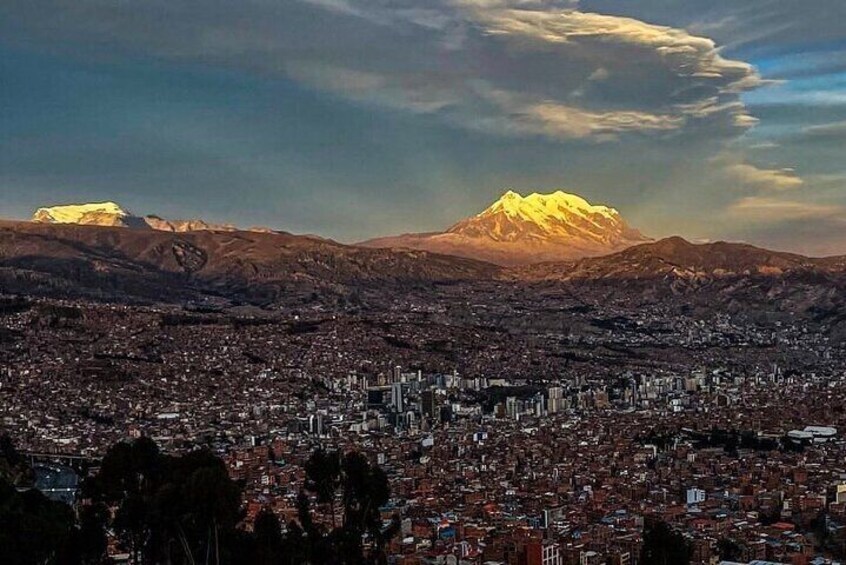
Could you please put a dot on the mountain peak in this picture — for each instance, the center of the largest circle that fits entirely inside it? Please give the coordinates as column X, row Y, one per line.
column 520, row 229
column 557, row 217
column 542, row 208
column 92, row 212
column 110, row 214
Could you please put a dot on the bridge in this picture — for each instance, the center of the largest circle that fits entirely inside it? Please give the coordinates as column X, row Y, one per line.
column 79, row 463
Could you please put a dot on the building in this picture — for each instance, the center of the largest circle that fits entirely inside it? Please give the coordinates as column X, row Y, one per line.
column 429, row 403
column 695, row 496
column 397, row 397
column 543, row 553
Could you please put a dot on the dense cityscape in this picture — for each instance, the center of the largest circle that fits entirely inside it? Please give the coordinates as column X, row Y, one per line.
column 502, row 443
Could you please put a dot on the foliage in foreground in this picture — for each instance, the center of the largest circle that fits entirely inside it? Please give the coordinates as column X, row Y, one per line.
column 184, row 510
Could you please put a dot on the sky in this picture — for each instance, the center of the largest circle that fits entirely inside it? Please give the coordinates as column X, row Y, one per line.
column 710, row 119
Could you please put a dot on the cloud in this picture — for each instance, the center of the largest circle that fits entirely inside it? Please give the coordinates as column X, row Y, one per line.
column 810, row 65
column 520, row 114
column 639, row 69
column 456, row 98
column 682, row 53
column 761, row 26
column 834, row 131
column 508, row 67
column 799, row 226
column 772, row 210
column 399, row 90
column 832, row 182
column 749, row 177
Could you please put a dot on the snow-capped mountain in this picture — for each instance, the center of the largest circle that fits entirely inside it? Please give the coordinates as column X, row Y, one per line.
column 94, row 213
column 519, row 230
column 545, row 217
column 112, row 215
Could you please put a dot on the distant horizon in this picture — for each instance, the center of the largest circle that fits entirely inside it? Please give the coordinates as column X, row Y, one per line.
column 248, row 228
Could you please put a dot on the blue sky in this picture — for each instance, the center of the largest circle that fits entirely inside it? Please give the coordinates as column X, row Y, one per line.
column 711, row 119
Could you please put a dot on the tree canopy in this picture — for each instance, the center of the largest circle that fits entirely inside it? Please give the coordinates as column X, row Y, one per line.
column 664, row 546
column 184, row 510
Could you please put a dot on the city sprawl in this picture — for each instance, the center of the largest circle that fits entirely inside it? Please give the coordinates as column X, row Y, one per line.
column 515, row 424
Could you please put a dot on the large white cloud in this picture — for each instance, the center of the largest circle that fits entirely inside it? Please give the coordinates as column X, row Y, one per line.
column 510, row 67
column 543, row 68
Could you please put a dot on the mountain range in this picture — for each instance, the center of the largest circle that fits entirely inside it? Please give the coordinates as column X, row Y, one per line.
column 514, row 230
column 62, row 253
column 109, row 261
column 111, row 214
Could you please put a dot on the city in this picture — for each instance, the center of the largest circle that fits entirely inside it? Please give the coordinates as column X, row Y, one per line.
column 422, row 282
column 497, row 447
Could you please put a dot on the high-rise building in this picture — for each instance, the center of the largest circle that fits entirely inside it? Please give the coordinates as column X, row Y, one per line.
column 511, row 408
column 429, row 403
column 539, row 405
column 555, row 395
column 543, row 553
column 397, row 397
column 315, row 424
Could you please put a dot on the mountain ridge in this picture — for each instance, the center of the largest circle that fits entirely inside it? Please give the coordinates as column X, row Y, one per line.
column 111, row 214
column 98, row 256
column 290, row 271
column 676, row 257
column 256, row 266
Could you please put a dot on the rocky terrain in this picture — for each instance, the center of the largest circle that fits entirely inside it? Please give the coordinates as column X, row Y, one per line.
column 272, row 269
column 260, row 267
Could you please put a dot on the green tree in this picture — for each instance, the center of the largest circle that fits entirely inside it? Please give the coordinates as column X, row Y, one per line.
column 186, row 510
column 729, row 550
column 170, row 509
column 269, row 541
column 127, row 481
column 87, row 542
column 197, row 504
column 33, row 528
column 323, row 478
column 663, row 546
column 14, row 468
column 363, row 490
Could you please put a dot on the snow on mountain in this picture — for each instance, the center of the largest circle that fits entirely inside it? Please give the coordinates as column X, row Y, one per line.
column 514, row 230
column 546, row 217
column 112, row 215
column 91, row 213
column 519, row 230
